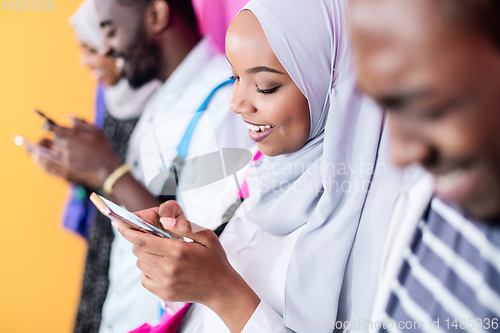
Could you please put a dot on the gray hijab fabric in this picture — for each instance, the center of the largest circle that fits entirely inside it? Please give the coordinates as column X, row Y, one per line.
column 310, row 39
column 290, row 185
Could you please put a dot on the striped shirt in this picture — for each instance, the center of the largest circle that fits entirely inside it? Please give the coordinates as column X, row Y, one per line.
column 449, row 280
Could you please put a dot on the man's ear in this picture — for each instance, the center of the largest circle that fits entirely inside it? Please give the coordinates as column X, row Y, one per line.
column 158, row 16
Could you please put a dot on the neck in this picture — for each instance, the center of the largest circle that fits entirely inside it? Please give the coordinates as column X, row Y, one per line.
column 176, row 43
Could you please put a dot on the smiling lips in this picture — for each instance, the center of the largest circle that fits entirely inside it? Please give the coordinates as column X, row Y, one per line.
column 453, row 185
column 259, row 132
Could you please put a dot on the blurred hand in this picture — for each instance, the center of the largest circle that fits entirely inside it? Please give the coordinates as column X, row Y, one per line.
column 87, row 156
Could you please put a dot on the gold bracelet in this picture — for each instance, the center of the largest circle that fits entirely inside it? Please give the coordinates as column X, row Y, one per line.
column 113, row 178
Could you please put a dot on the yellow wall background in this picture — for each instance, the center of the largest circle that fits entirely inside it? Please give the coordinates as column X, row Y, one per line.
column 40, row 264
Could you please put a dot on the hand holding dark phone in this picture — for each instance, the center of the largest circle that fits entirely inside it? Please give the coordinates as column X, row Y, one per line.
column 47, row 119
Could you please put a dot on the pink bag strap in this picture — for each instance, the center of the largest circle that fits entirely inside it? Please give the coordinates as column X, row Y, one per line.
column 243, row 193
column 169, row 324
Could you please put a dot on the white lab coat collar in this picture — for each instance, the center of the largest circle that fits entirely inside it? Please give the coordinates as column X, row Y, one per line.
column 191, row 66
column 409, row 210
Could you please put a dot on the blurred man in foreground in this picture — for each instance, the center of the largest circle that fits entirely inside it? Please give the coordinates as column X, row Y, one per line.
column 435, row 67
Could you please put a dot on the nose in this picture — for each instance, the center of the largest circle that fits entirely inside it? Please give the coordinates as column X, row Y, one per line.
column 407, row 146
column 240, row 103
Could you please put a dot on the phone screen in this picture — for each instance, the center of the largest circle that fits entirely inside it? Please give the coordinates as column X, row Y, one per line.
column 34, row 148
column 125, row 214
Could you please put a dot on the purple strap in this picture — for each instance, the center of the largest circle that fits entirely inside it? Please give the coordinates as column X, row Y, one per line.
column 79, row 212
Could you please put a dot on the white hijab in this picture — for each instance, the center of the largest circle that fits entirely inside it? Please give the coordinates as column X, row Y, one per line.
column 122, row 101
column 293, row 180
column 311, row 41
column 85, row 23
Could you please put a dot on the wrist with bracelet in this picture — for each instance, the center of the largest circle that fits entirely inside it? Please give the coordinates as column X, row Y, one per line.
column 114, row 177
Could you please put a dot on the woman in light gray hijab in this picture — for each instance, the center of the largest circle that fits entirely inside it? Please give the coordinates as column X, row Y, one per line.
column 290, row 241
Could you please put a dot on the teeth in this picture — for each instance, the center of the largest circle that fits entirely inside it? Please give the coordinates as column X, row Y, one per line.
column 119, row 63
column 257, row 129
column 253, row 128
column 445, row 183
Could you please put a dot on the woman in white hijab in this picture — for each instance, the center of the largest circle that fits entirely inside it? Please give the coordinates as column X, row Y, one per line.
column 290, row 241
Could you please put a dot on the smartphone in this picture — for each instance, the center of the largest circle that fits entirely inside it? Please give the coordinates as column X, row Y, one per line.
column 132, row 221
column 34, row 148
column 40, row 113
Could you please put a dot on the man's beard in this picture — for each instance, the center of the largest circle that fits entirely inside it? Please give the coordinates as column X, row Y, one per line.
column 143, row 61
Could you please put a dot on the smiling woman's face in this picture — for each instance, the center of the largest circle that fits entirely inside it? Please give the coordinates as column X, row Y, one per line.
column 265, row 96
column 102, row 67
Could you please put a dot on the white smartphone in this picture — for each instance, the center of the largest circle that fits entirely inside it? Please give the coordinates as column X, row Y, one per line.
column 34, row 148
column 132, row 221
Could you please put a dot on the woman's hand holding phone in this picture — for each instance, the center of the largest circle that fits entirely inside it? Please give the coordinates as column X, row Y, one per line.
column 194, row 272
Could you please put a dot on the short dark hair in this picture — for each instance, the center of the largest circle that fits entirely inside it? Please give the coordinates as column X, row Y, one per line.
column 182, row 7
column 483, row 15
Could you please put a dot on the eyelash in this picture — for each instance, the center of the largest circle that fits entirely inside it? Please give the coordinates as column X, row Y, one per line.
column 260, row 91
column 111, row 33
column 267, row 91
